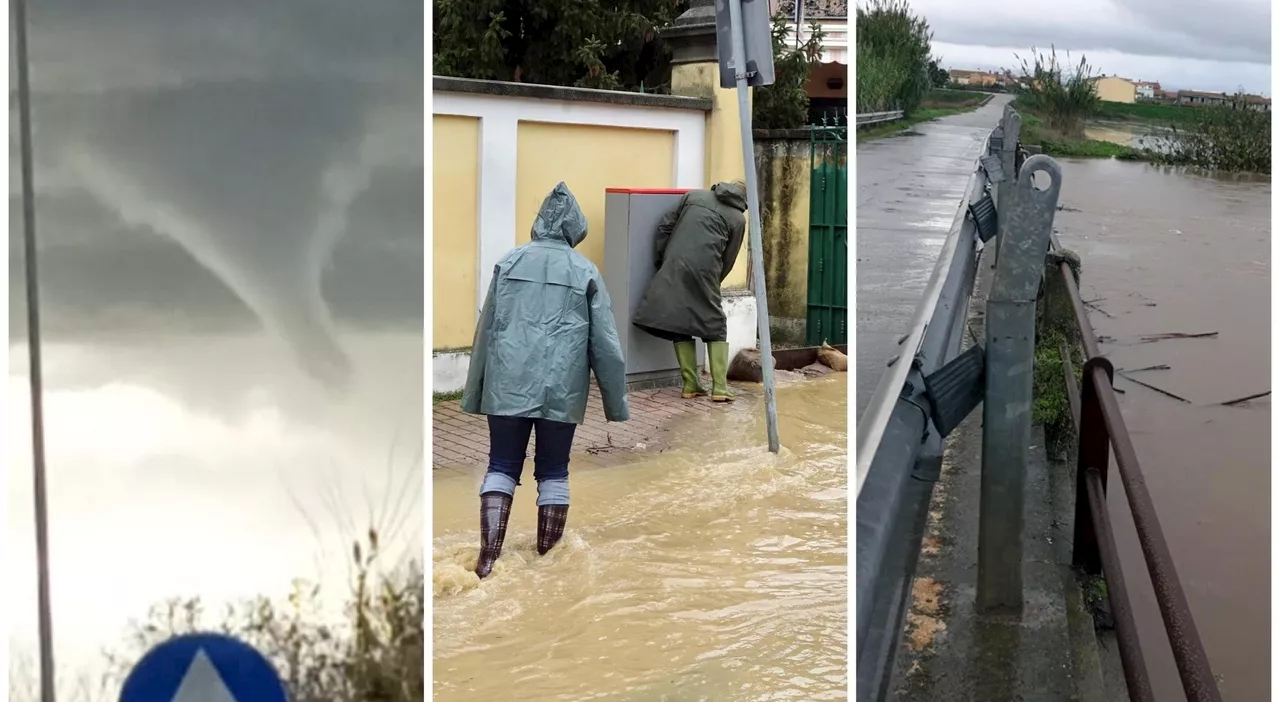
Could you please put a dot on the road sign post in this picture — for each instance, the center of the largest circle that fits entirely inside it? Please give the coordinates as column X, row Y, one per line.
column 203, row 668
column 745, row 49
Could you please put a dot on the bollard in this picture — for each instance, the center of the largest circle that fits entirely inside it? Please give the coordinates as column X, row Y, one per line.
column 1027, row 223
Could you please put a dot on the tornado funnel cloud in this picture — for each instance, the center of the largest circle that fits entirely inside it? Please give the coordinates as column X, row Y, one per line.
column 262, row 204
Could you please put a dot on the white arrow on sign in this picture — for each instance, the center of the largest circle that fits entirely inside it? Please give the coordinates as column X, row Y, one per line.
column 202, row 682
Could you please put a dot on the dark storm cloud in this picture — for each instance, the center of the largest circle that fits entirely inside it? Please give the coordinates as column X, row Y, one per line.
column 1216, row 31
column 78, row 44
column 199, row 160
column 1233, row 31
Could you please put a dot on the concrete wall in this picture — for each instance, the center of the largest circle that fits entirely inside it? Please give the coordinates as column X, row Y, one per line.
column 496, row 156
column 589, row 159
column 499, row 148
column 782, row 160
column 1113, row 89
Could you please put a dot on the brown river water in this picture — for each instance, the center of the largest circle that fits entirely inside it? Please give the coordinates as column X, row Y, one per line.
column 711, row 571
column 1165, row 250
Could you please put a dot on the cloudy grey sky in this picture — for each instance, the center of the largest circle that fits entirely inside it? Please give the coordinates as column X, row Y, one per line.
column 1184, row 44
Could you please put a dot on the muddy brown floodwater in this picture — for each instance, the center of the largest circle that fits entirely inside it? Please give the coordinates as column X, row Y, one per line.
column 1165, row 250
column 711, row 571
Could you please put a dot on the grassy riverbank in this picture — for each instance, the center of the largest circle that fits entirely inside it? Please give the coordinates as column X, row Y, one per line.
column 1056, row 143
column 941, row 98
column 937, row 104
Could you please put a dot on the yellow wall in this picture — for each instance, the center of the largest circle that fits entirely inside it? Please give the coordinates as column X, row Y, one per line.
column 588, row 160
column 455, row 232
column 724, row 139
column 1112, row 89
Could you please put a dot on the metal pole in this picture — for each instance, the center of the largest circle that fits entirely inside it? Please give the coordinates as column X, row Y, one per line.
column 44, row 607
column 753, row 221
column 1011, row 129
column 1006, row 405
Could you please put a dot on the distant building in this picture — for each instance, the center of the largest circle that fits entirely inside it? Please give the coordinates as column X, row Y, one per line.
column 963, row 77
column 1200, row 97
column 1115, row 89
column 1257, row 102
column 1148, row 90
column 828, row 86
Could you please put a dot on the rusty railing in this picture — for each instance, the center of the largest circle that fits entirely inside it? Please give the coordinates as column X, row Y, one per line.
column 1101, row 431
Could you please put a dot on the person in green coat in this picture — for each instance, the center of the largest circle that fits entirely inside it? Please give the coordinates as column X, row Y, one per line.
column 696, row 247
column 546, row 326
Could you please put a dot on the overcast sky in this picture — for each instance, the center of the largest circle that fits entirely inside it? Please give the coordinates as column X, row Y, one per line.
column 1184, row 44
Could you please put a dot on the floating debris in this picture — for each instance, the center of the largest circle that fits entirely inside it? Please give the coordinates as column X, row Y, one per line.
column 1177, row 335
column 1152, row 387
column 1246, row 398
column 1162, row 366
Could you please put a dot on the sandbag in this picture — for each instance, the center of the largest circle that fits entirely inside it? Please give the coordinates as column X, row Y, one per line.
column 746, row 367
column 832, row 358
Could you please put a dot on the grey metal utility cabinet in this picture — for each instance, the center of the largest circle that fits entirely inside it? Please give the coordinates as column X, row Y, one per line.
column 631, row 224
column 1006, row 407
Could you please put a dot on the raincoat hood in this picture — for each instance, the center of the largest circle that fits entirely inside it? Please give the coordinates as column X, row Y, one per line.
column 731, row 194
column 560, row 218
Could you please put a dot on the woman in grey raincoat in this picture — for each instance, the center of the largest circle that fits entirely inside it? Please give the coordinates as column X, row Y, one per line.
column 697, row 244
column 547, row 325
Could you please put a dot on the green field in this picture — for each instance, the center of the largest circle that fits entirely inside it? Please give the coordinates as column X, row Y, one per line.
column 1149, row 112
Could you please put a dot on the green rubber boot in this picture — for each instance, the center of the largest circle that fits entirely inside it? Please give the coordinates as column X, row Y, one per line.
column 687, row 355
column 718, row 354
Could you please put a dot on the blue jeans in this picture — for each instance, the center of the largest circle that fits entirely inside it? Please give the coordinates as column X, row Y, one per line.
column 508, row 443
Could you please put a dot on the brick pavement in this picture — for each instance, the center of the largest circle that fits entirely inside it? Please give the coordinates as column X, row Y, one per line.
column 461, row 441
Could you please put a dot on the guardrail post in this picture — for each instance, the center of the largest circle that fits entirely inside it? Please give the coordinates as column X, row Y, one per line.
column 1027, row 213
column 1011, row 127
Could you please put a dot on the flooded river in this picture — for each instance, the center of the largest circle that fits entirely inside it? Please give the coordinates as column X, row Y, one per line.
column 1136, row 135
column 711, row 571
column 1172, row 251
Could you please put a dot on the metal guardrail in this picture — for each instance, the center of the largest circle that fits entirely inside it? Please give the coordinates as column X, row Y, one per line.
column 1101, row 430
column 931, row 387
column 898, row 452
column 878, row 117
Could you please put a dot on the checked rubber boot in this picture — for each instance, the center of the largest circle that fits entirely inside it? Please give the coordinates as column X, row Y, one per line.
column 551, row 519
column 718, row 355
column 687, row 356
column 495, row 509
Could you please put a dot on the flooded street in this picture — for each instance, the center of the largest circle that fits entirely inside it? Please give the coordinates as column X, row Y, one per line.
column 1171, row 251
column 711, row 571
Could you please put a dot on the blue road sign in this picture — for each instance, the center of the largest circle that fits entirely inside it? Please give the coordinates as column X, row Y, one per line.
column 203, row 668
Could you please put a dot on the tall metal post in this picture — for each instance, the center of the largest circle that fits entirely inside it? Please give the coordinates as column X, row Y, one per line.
column 1010, row 129
column 753, row 210
column 1006, row 406
column 36, row 372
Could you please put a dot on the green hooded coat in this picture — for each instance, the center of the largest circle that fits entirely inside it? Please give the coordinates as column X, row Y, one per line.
column 696, row 247
column 546, row 326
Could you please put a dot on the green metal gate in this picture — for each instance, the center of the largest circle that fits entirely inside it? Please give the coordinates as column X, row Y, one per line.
column 828, row 294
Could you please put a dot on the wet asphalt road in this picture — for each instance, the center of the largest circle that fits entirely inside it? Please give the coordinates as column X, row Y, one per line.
column 909, row 188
